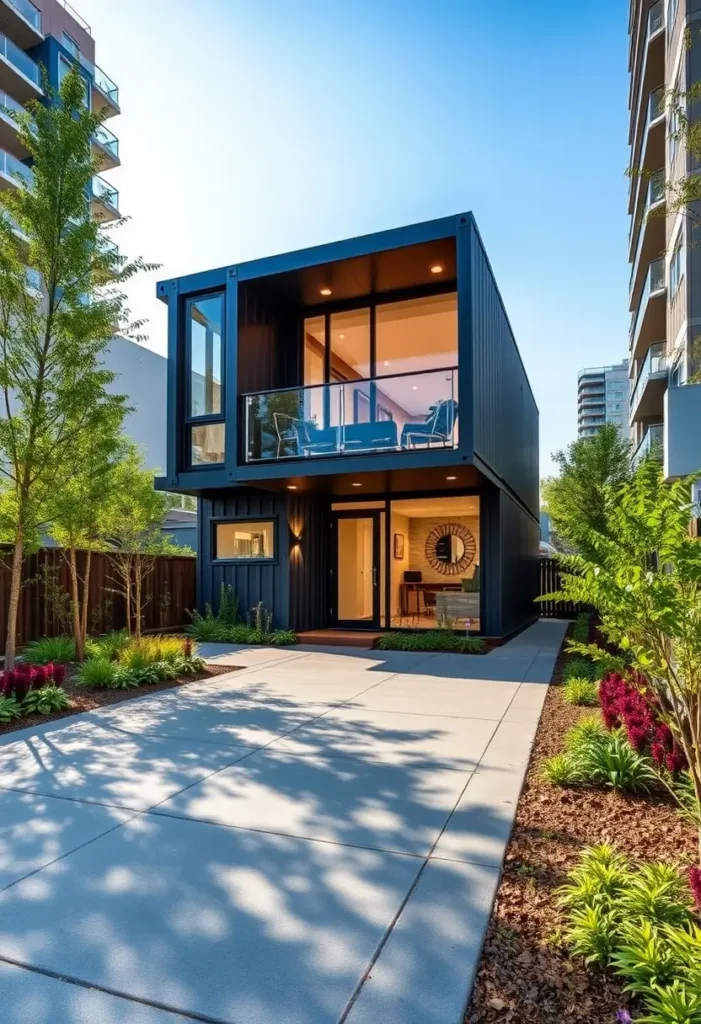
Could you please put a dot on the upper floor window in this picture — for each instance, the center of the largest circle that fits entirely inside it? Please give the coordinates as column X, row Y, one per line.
column 205, row 384
column 64, row 66
column 672, row 7
column 71, row 45
column 676, row 265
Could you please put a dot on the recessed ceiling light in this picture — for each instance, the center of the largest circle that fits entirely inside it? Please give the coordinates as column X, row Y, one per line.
column 387, row 362
column 415, row 387
column 451, row 478
column 341, row 336
column 292, row 487
column 437, row 268
column 325, row 291
column 356, row 485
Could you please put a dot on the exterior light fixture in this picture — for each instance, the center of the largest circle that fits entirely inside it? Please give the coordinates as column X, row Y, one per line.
column 437, row 268
column 325, row 291
column 414, row 387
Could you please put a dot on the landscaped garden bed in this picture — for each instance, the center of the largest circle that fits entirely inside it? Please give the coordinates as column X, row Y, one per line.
column 49, row 685
column 531, row 972
column 431, row 640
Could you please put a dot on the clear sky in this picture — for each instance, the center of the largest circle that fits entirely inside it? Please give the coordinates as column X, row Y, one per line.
column 251, row 127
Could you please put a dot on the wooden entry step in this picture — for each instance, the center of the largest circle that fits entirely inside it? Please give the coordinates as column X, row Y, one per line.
column 339, row 638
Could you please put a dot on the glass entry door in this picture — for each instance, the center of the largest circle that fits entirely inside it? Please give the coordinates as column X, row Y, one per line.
column 355, row 570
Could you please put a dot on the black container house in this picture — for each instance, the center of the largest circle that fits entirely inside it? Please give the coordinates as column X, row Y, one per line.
column 359, row 429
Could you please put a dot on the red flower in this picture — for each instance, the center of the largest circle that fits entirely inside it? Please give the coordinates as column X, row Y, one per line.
column 695, row 885
column 59, row 674
column 676, row 761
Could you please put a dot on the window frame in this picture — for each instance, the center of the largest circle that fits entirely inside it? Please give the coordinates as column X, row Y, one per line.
column 676, row 260
column 209, row 419
column 216, row 521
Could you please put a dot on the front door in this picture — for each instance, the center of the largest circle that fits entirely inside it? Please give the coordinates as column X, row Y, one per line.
column 355, row 570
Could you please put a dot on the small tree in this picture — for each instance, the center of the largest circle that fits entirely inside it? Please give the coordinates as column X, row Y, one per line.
column 53, row 387
column 642, row 573
column 132, row 527
column 576, row 500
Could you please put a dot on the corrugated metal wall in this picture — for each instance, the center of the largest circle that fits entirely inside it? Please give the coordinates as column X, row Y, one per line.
column 505, row 414
column 309, row 520
column 510, row 554
column 268, row 342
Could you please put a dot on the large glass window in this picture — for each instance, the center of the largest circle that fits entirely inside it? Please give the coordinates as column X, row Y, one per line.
column 207, row 444
column 205, row 398
column 244, row 539
column 418, row 334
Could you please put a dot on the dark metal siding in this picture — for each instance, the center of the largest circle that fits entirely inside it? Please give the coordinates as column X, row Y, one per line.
column 309, row 520
column 252, row 583
column 505, row 415
column 510, row 556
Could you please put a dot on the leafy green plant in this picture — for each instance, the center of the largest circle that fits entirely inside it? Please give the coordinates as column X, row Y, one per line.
column 45, row 701
column 589, row 728
column 98, row 673
column 430, row 640
column 657, row 893
column 600, row 877
column 107, row 646
column 228, row 614
column 673, row 1004
column 581, row 628
column 283, row 638
column 579, row 668
column 560, row 770
column 126, row 679
column 581, row 691
column 643, row 957
column 58, row 649
column 207, row 629
column 9, row 710
column 614, row 763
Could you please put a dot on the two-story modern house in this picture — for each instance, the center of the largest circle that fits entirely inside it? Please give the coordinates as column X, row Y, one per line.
column 359, row 429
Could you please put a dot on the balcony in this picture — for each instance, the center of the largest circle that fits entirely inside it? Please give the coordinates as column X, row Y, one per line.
column 22, row 20
column 651, row 445
column 13, row 172
column 19, row 74
column 651, row 238
column 105, row 200
column 648, row 322
column 652, row 74
column 399, row 413
column 648, row 393
column 105, row 91
column 9, row 138
column 106, row 148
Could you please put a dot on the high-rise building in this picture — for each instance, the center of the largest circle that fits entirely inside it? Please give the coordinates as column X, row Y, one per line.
column 49, row 33
column 665, row 287
column 602, row 397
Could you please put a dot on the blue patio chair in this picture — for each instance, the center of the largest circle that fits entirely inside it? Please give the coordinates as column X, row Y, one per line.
column 438, row 425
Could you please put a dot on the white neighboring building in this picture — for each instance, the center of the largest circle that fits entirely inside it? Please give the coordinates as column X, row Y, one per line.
column 602, row 397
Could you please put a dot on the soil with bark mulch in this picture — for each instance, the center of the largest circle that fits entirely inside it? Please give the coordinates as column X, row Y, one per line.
column 84, row 699
column 526, row 975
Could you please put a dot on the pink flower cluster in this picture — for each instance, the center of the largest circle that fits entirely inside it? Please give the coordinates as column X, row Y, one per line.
column 695, row 886
column 23, row 678
column 629, row 703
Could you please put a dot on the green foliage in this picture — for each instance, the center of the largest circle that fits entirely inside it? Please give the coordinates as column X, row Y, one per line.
column 45, row 701
column 209, row 628
column 228, row 613
column 560, row 770
column 657, row 894
column 596, row 757
column 581, row 691
column 589, row 729
column 56, row 649
column 9, row 710
column 581, row 628
column 107, row 646
column 579, row 668
column 97, row 672
column 642, row 956
column 430, row 640
column 576, row 500
column 675, row 1004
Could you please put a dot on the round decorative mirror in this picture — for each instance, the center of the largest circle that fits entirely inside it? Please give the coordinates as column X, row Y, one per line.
column 450, row 549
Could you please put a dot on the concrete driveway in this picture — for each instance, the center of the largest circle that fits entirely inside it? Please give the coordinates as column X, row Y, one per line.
column 315, row 839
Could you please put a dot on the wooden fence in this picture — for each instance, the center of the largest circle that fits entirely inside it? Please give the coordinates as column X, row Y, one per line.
column 550, row 584
column 169, row 593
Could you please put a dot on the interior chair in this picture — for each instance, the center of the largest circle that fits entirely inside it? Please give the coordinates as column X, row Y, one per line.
column 437, row 427
column 365, row 437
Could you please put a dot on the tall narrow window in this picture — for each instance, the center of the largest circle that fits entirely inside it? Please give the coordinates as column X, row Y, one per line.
column 205, row 318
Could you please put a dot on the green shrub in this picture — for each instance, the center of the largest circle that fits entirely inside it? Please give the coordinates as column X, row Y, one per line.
column 579, row 668
column 45, row 701
column 581, row 691
column 98, row 673
column 56, row 649
column 560, row 771
column 643, row 957
column 658, row 894
column 107, row 646
column 9, row 710
column 589, row 728
column 581, row 628
column 595, row 757
column 127, row 679
column 430, row 640
column 675, row 1004
column 207, row 629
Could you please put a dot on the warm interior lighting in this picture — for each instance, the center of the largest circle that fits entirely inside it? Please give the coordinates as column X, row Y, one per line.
column 356, row 485
column 387, row 362
column 437, row 268
column 325, row 291
column 451, row 478
column 292, row 487
column 415, row 387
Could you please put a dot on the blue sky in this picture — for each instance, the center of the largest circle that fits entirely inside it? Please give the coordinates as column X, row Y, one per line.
column 251, row 127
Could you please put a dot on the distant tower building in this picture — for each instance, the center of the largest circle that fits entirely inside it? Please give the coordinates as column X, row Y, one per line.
column 602, row 397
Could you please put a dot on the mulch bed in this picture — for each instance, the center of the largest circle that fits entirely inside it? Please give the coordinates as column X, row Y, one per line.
column 526, row 976
column 84, row 699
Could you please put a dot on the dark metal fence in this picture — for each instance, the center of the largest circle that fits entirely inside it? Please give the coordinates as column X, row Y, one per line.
column 550, row 584
column 169, row 593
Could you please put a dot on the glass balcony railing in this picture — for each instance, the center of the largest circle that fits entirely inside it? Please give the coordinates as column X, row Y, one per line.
column 655, row 194
column 652, row 444
column 11, row 167
column 28, row 11
column 655, row 362
column 107, row 140
column 105, row 84
column 10, row 104
column 654, row 282
column 105, row 192
column 402, row 412
column 19, row 59
column 34, row 279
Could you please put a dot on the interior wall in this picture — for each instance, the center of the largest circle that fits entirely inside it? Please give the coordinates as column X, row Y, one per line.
column 419, row 529
column 400, row 524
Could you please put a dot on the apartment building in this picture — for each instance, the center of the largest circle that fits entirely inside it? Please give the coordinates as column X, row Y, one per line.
column 602, row 397
column 665, row 286
column 50, row 33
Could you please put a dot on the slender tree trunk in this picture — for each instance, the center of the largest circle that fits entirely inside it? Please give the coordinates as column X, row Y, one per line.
column 137, row 597
column 86, row 596
column 127, row 592
column 75, row 601
column 13, row 605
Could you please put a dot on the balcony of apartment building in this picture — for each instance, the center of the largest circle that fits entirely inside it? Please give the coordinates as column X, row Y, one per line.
column 105, row 148
column 19, row 74
column 651, row 444
column 649, row 238
column 13, row 172
column 21, row 20
column 104, row 200
column 647, row 76
column 647, row 395
column 648, row 322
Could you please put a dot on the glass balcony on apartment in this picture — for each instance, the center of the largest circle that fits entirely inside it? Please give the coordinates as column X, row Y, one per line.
column 105, row 89
column 105, row 199
column 652, row 444
column 19, row 74
column 646, row 397
column 13, row 172
column 648, row 321
column 398, row 413
column 21, row 19
column 106, row 148
column 651, row 237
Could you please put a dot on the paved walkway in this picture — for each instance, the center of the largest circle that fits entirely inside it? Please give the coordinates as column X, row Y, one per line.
column 314, row 840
